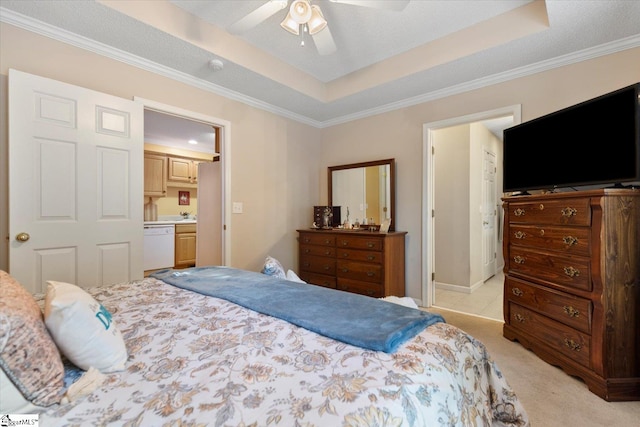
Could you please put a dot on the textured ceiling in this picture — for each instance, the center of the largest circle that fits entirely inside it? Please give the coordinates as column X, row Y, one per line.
column 384, row 60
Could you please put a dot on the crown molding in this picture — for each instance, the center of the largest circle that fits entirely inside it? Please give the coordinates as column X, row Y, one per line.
column 47, row 30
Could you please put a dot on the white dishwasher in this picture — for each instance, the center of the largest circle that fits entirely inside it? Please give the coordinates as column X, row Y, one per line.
column 159, row 246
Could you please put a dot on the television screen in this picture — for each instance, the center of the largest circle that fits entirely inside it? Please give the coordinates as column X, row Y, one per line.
column 594, row 142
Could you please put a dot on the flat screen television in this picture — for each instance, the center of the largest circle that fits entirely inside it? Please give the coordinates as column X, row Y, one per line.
column 596, row 142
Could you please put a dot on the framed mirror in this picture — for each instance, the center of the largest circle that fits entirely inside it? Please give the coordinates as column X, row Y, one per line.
column 364, row 190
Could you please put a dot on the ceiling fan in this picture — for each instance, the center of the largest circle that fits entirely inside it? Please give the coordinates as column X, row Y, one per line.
column 304, row 17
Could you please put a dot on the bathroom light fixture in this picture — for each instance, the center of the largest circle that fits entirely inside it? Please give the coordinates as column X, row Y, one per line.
column 193, row 142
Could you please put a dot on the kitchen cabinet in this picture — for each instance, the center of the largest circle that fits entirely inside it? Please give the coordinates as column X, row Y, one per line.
column 185, row 248
column 155, row 175
column 183, row 170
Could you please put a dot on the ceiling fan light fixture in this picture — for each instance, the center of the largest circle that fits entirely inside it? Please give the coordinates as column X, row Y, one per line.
column 300, row 11
column 290, row 25
column 316, row 22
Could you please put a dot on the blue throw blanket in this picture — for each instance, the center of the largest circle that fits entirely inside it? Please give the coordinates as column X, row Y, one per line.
column 351, row 318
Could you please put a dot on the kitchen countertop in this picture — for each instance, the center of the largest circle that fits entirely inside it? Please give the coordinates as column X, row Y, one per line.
column 171, row 222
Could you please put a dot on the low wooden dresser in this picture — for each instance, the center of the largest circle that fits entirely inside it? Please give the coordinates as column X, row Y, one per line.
column 364, row 262
column 572, row 284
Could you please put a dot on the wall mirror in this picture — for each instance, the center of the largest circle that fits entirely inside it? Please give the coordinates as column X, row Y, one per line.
column 364, row 190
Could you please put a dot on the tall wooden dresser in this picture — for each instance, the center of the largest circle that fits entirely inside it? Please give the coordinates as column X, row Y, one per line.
column 572, row 284
column 364, row 262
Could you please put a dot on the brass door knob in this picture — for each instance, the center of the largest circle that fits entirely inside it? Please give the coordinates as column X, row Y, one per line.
column 22, row 237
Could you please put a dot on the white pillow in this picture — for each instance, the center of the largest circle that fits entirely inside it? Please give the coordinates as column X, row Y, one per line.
column 292, row 276
column 83, row 329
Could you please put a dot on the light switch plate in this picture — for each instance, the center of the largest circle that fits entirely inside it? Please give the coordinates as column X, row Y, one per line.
column 237, row 207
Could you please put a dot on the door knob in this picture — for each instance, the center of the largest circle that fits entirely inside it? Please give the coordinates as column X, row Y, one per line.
column 22, row 237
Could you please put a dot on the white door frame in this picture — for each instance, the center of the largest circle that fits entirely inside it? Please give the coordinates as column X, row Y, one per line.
column 428, row 245
column 225, row 159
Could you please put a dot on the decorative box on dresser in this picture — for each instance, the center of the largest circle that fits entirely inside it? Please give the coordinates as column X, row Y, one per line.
column 572, row 284
column 364, row 262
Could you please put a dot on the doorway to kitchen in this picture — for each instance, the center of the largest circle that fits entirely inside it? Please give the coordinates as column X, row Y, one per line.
column 213, row 184
column 455, row 209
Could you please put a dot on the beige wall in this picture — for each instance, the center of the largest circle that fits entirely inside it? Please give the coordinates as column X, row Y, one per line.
column 275, row 169
column 398, row 134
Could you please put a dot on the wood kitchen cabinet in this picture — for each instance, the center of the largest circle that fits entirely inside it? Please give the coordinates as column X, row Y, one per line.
column 155, row 175
column 185, row 250
column 183, row 170
column 572, row 284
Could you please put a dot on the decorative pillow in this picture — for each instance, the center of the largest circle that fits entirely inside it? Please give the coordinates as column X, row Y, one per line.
column 29, row 358
column 272, row 267
column 83, row 329
column 292, row 276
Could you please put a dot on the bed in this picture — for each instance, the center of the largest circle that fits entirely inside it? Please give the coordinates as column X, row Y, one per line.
column 195, row 359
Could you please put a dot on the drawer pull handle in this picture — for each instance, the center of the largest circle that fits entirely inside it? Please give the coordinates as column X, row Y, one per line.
column 569, row 212
column 572, row 312
column 370, row 258
column 519, row 317
column 520, row 234
column 327, row 252
column 370, row 273
column 307, row 240
column 306, row 264
column 306, row 251
column 572, row 344
column 327, row 241
column 345, row 254
column 345, row 270
column 569, row 240
column 371, row 245
column 345, row 243
column 517, row 292
column 518, row 259
column 518, row 212
column 541, row 207
column 571, row 272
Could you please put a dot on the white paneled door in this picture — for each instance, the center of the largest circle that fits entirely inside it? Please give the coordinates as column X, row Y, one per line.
column 75, row 184
column 489, row 215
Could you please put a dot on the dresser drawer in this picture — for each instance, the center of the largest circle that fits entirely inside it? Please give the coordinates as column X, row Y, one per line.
column 570, row 240
column 570, row 211
column 569, row 271
column 568, row 309
column 319, row 279
column 317, row 264
column 317, row 239
column 562, row 338
column 374, row 290
column 360, row 242
column 317, row 250
column 360, row 255
column 359, row 271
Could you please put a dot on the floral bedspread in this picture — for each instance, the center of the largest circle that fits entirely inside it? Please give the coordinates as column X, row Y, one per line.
column 196, row 360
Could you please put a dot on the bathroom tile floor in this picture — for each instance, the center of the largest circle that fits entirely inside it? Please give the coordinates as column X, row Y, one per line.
column 486, row 301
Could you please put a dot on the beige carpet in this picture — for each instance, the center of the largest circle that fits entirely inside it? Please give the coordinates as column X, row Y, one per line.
column 550, row 397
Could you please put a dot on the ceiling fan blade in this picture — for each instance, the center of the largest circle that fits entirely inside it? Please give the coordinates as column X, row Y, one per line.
column 262, row 13
column 324, row 42
column 377, row 4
